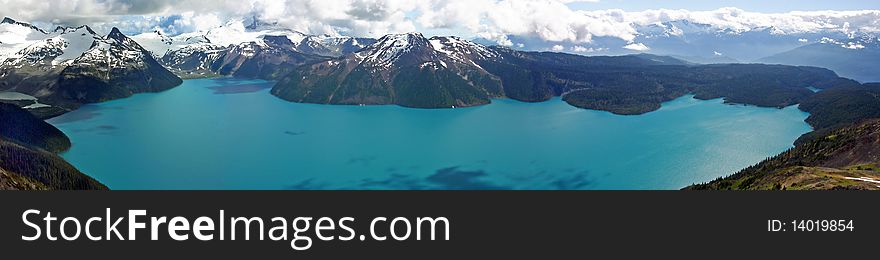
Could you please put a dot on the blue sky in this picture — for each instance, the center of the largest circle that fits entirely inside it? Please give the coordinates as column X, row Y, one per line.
column 749, row 5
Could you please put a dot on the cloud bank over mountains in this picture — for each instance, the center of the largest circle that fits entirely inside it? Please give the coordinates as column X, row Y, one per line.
column 548, row 20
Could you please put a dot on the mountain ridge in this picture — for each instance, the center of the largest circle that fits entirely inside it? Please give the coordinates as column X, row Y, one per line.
column 74, row 65
column 853, row 59
column 385, row 73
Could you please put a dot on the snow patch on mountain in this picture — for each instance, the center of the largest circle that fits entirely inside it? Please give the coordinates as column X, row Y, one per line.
column 106, row 55
column 438, row 46
column 461, row 50
column 77, row 41
column 390, row 47
column 206, row 54
column 853, row 44
column 57, row 48
column 238, row 32
column 79, row 45
column 230, row 34
column 15, row 36
column 158, row 43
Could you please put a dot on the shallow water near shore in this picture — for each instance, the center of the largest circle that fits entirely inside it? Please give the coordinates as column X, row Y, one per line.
column 227, row 133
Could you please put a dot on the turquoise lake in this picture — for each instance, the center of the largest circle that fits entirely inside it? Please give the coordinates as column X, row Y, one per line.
column 232, row 134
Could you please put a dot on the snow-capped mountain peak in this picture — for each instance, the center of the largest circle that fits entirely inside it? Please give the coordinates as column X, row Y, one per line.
column 397, row 68
column 75, row 65
column 236, row 32
column 159, row 43
column 392, row 48
column 78, row 45
column 460, row 49
column 7, row 20
column 84, row 29
column 117, row 36
column 113, row 51
column 251, row 30
column 56, row 48
column 15, row 36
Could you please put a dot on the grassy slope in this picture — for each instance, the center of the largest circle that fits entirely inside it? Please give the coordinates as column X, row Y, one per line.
column 13, row 181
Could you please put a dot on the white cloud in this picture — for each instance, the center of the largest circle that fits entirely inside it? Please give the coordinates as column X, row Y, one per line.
column 637, row 47
column 578, row 48
column 353, row 17
column 554, row 21
column 192, row 22
column 577, row 1
column 547, row 20
column 558, row 48
column 852, row 45
column 550, row 20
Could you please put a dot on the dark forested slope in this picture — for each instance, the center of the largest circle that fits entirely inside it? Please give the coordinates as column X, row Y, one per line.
column 843, row 106
column 17, row 125
column 638, row 84
column 27, row 158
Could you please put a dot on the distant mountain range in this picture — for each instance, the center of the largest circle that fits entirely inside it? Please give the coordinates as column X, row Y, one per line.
column 55, row 66
column 850, row 53
column 240, row 31
column 855, row 58
column 257, row 50
column 70, row 66
column 686, row 40
column 270, row 57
